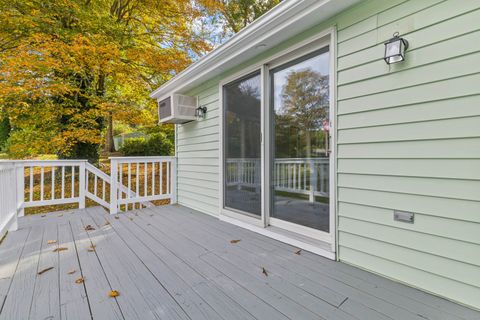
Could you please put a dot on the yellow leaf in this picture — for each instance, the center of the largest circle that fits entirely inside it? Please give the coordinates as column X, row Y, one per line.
column 51, row 241
column 235, row 241
column 60, row 249
column 80, row 280
column 114, row 293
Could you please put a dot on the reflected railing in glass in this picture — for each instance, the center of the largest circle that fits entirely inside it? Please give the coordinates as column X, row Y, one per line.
column 308, row 176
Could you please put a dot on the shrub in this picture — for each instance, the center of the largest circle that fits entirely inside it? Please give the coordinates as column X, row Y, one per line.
column 156, row 144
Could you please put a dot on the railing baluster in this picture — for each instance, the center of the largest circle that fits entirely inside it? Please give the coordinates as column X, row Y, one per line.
column 95, row 181
column 120, row 178
column 161, row 177
column 31, row 184
column 145, row 193
column 168, row 177
column 129, row 180
column 73, row 182
column 53, row 183
column 137, row 179
column 87, row 177
column 42, row 174
column 63, row 182
column 103, row 189
column 153, row 178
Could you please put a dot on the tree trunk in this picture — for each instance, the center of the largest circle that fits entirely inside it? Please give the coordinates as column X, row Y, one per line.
column 109, row 145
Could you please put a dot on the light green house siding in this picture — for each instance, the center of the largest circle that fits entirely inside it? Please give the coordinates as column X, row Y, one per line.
column 408, row 138
column 198, row 156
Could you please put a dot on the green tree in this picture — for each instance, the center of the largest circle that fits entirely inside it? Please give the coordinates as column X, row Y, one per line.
column 240, row 13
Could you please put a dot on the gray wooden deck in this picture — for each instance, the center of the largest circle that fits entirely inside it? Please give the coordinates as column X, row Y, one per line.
column 173, row 263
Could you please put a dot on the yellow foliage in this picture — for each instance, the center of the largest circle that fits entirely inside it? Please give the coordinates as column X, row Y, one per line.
column 67, row 65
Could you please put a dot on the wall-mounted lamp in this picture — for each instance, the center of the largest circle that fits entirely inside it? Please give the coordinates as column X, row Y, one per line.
column 200, row 112
column 395, row 49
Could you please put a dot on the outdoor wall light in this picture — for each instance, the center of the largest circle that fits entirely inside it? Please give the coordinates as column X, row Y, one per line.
column 395, row 49
column 200, row 112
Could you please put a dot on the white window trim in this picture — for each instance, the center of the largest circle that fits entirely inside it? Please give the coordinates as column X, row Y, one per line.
column 311, row 44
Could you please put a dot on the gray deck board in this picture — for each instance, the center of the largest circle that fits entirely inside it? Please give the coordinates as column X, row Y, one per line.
column 188, row 252
column 46, row 300
column 252, row 264
column 172, row 262
column 19, row 297
column 132, row 278
column 10, row 253
column 367, row 290
column 190, row 301
column 73, row 296
column 96, row 284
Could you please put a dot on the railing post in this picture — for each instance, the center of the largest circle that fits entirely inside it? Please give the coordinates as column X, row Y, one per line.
column 173, row 177
column 239, row 179
column 114, row 186
column 82, row 185
column 20, row 178
column 313, row 180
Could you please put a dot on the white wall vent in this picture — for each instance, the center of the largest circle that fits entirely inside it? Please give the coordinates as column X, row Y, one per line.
column 177, row 108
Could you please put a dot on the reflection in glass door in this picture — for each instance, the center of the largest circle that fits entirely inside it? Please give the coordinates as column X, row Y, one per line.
column 242, row 145
column 300, row 134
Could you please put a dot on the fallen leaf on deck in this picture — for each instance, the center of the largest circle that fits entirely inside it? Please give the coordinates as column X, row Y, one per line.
column 60, row 249
column 43, row 215
column 235, row 241
column 92, row 248
column 107, row 223
column 117, row 217
column 89, row 228
column 80, row 280
column 60, row 215
column 298, row 252
column 265, row 272
column 45, row 270
column 51, row 241
column 114, row 293
column 72, row 271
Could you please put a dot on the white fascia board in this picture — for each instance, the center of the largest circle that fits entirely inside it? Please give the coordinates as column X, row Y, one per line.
column 284, row 21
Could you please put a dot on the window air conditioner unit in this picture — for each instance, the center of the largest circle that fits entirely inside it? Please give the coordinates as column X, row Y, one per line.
column 177, row 108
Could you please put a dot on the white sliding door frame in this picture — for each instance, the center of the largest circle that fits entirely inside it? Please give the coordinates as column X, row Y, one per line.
column 324, row 39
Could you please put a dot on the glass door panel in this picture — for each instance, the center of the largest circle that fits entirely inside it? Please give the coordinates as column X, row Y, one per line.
column 242, row 145
column 300, row 133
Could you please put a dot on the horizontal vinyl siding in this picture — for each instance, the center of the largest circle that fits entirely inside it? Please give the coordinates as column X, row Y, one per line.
column 198, row 156
column 409, row 139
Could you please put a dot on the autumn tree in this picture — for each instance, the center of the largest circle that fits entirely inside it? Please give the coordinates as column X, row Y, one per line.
column 70, row 68
column 304, row 106
column 240, row 13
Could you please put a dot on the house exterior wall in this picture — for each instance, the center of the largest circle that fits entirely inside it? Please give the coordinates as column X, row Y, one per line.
column 408, row 138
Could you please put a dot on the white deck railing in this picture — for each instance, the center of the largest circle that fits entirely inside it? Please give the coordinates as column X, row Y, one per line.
column 133, row 181
column 8, row 198
column 308, row 176
column 158, row 175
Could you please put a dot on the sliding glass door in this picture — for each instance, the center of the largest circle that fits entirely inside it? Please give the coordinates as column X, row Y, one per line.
column 300, row 146
column 242, row 145
column 285, row 180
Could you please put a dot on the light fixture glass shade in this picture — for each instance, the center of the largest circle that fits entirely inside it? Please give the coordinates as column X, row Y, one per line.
column 395, row 50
